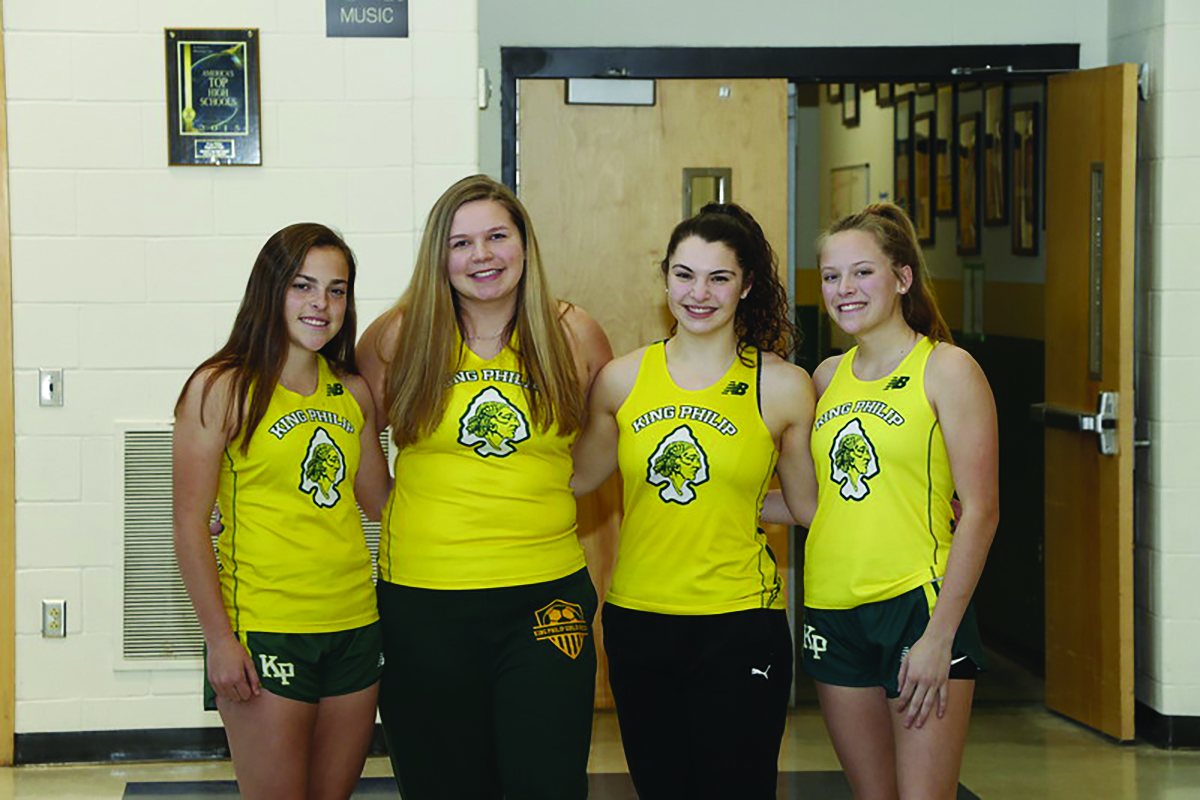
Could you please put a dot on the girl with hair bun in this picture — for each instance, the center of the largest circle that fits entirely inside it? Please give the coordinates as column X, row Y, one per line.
column 700, row 654
column 904, row 421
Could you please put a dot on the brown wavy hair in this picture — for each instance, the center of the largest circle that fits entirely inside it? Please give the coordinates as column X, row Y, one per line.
column 257, row 347
column 763, row 318
column 895, row 235
column 428, row 352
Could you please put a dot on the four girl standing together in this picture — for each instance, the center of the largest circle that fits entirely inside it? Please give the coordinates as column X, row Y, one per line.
column 504, row 404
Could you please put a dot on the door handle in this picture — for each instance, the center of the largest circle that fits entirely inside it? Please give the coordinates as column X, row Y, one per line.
column 1103, row 423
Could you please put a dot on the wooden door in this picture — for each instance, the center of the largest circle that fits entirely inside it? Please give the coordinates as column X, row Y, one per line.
column 1091, row 131
column 604, row 187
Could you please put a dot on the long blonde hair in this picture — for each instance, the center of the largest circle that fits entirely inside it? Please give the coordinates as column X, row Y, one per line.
column 893, row 231
column 426, row 356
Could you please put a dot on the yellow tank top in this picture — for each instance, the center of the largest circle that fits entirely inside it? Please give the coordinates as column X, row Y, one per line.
column 485, row 501
column 292, row 557
column 884, row 486
column 695, row 467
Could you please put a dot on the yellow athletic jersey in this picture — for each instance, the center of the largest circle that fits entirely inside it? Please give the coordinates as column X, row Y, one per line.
column 695, row 466
column 884, row 486
column 292, row 557
column 485, row 501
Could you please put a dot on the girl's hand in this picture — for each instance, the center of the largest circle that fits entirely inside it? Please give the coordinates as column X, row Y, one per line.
column 924, row 680
column 231, row 671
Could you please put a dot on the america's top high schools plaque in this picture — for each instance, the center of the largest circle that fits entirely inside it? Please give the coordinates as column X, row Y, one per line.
column 212, row 96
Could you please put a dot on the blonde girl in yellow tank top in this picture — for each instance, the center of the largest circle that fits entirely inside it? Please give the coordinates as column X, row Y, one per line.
column 700, row 654
column 280, row 420
column 902, row 733
column 484, row 597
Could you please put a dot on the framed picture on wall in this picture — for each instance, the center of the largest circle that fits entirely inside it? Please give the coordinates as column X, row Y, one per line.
column 850, row 98
column 970, row 187
column 902, row 150
column 833, row 92
column 849, row 190
column 924, row 174
column 883, row 94
column 1026, row 184
column 947, row 112
column 995, row 154
column 213, row 97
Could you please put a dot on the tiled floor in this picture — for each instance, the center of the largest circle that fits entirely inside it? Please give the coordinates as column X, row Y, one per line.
column 1015, row 751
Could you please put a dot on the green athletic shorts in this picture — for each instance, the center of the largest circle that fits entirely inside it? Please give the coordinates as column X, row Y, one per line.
column 309, row 666
column 863, row 646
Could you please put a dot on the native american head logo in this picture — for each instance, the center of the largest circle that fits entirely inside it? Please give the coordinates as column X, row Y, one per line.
column 678, row 465
column 563, row 624
column 323, row 468
column 853, row 460
column 492, row 424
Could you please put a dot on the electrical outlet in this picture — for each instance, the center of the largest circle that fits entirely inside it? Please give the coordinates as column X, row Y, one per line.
column 54, row 619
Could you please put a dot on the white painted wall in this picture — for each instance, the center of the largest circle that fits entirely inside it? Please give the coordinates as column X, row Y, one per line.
column 1166, row 34
column 776, row 23
column 127, row 273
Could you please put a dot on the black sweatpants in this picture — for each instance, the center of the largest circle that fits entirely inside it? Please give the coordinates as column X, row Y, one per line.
column 488, row 693
column 701, row 700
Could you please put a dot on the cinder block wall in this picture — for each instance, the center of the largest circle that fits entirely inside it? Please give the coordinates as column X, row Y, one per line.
column 126, row 273
column 1166, row 35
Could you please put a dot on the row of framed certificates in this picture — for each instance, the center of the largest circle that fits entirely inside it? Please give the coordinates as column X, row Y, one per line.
column 981, row 167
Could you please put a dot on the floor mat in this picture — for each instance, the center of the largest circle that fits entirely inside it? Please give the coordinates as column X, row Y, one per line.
column 603, row 786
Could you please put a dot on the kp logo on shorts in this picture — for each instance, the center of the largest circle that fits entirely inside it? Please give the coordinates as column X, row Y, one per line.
column 814, row 642
column 492, row 424
column 677, row 465
column 324, row 467
column 564, row 625
column 272, row 667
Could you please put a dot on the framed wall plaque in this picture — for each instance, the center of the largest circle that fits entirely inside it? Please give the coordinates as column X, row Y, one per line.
column 970, row 187
column 925, row 171
column 1026, row 185
column 850, row 98
column 947, row 113
column 213, row 97
column 995, row 154
column 902, row 153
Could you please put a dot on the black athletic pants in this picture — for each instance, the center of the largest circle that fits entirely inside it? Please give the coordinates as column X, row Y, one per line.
column 488, row 693
column 701, row 700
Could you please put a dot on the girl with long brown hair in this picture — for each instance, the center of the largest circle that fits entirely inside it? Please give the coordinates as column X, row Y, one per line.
column 278, row 427
column 483, row 593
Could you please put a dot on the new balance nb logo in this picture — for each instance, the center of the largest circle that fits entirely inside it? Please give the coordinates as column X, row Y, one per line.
column 334, row 389
column 898, row 382
column 736, row 387
column 272, row 668
column 815, row 642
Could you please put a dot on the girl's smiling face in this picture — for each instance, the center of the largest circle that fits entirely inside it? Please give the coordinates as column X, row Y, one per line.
column 704, row 285
column 860, row 285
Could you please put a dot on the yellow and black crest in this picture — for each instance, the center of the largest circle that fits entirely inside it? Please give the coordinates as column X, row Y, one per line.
column 563, row 624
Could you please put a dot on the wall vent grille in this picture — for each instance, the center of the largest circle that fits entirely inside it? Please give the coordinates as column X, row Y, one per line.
column 158, row 621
